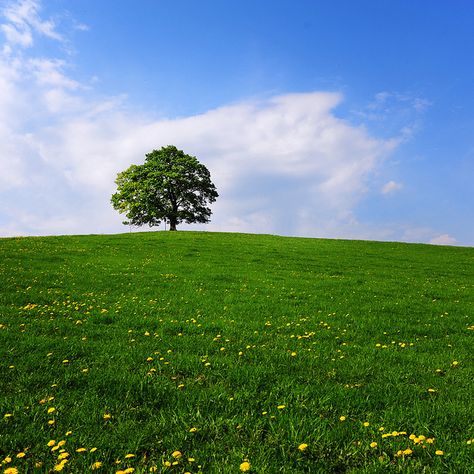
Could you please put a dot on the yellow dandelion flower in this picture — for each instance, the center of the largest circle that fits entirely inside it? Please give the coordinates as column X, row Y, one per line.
column 129, row 456
column 107, row 416
column 81, row 450
column 302, row 446
column 59, row 467
column 96, row 465
column 10, row 470
column 129, row 470
column 176, row 454
column 407, row 452
column 366, row 423
column 51, row 422
column 93, row 450
column 373, row 444
column 21, row 455
column 438, row 452
column 245, row 466
column 193, row 430
column 430, row 440
column 63, row 456
column 68, row 433
column 342, row 418
column 281, row 407
column 62, row 443
column 51, row 443
column 7, row 415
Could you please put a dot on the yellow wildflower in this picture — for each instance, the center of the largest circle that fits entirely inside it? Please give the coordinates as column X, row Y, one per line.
column 60, row 466
column 21, row 455
column 176, row 454
column 10, row 470
column 51, row 443
column 129, row 456
column 373, row 444
column 96, row 465
column 342, row 418
column 81, row 450
column 302, row 446
column 245, row 466
column 438, row 452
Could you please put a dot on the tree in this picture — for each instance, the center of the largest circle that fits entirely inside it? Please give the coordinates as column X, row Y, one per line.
column 170, row 185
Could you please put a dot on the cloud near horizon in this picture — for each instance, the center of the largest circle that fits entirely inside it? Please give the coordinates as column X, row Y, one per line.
column 285, row 165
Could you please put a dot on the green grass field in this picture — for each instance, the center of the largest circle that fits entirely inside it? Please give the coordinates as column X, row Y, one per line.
column 220, row 353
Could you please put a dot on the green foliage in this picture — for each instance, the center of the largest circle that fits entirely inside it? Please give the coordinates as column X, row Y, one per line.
column 169, row 185
column 227, row 347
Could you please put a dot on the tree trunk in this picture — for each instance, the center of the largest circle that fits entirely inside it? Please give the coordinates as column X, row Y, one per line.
column 172, row 224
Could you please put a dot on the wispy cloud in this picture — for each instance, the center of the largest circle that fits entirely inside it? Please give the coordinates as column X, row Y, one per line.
column 22, row 21
column 443, row 239
column 391, row 187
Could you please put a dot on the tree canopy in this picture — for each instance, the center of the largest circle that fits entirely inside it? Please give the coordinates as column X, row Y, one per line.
column 170, row 186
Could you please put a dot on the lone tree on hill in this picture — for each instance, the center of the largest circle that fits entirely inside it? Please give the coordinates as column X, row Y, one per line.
column 170, row 185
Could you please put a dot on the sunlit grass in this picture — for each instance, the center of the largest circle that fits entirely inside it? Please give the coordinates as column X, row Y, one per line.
column 195, row 352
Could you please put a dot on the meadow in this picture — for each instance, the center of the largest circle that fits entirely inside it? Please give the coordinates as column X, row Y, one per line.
column 197, row 352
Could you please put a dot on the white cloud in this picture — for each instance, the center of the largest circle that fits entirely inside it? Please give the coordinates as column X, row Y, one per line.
column 284, row 165
column 23, row 20
column 443, row 239
column 391, row 187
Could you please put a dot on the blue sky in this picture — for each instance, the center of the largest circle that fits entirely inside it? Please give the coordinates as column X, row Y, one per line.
column 316, row 118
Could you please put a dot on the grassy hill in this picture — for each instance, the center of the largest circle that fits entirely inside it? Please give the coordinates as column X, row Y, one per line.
column 215, row 353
